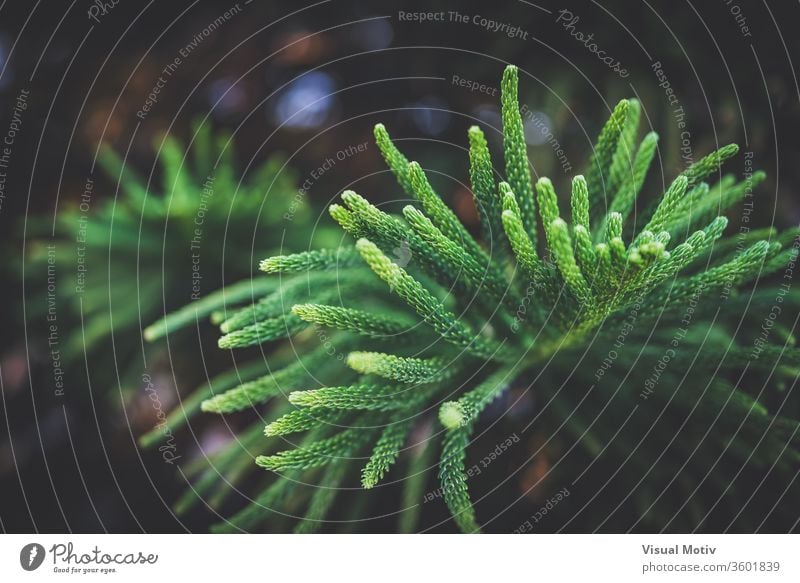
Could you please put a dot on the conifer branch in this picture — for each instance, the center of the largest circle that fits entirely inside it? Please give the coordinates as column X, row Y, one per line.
column 465, row 323
column 518, row 173
column 386, row 451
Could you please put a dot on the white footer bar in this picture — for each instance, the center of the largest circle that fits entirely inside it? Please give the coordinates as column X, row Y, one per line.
column 334, row 558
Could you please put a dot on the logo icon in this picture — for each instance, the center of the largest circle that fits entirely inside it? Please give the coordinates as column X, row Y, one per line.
column 31, row 556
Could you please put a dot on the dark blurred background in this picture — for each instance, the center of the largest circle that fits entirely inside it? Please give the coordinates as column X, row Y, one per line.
column 308, row 80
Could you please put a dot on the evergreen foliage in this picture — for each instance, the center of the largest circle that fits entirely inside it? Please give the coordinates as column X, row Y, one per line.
column 136, row 248
column 619, row 303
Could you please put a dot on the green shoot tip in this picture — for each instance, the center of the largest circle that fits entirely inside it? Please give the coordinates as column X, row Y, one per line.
column 452, row 415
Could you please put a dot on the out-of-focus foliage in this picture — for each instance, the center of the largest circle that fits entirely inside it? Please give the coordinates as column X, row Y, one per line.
column 117, row 260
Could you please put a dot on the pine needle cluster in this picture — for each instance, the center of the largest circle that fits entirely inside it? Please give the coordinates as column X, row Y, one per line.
column 596, row 297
